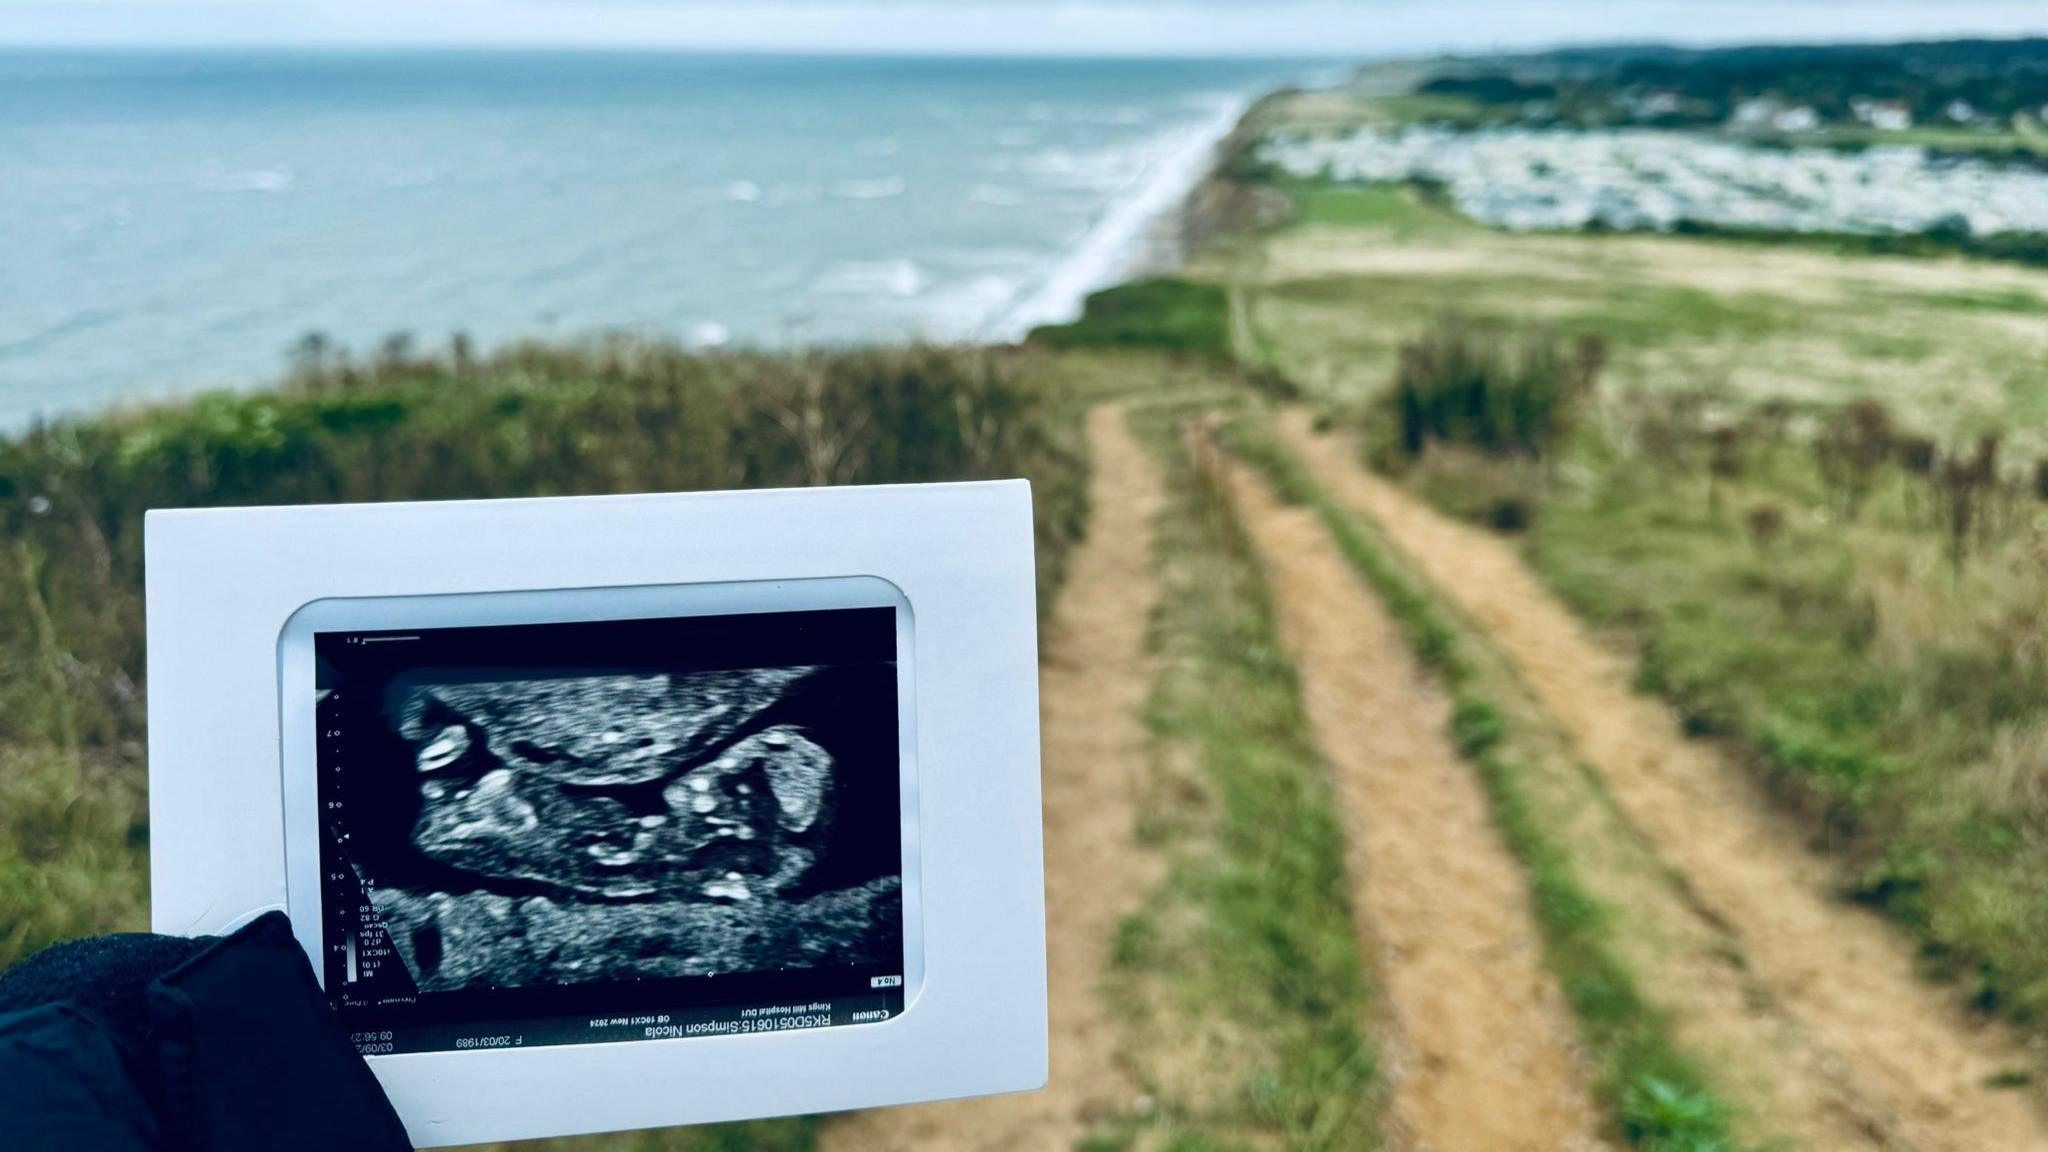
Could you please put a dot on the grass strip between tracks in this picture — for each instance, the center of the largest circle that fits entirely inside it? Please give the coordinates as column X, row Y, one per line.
column 1248, row 1003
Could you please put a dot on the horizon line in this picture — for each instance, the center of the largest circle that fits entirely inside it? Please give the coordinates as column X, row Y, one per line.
column 991, row 52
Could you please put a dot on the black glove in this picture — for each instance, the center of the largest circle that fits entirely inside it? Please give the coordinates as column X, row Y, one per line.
column 145, row 1043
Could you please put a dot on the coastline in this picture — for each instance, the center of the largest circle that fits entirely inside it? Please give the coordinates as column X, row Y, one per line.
column 1141, row 234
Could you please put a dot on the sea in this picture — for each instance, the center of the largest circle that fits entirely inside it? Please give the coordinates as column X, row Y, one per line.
column 173, row 222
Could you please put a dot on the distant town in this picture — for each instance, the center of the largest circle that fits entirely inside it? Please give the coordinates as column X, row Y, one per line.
column 1948, row 140
column 1662, row 179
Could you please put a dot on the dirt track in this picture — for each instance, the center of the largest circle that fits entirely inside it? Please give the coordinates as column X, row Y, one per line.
column 1092, row 687
column 1808, row 1010
column 1483, row 1055
column 1893, row 1061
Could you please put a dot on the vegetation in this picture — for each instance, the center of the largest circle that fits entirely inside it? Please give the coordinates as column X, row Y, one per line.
column 1853, row 604
column 1806, row 489
column 534, row 420
column 1860, row 613
column 1846, row 589
column 1167, row 314
column 1408, row 211
column 1242, row 972
column 2016, row 247
column 1501, row 394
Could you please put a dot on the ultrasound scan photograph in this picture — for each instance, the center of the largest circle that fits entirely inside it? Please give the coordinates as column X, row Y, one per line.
column 520, row 830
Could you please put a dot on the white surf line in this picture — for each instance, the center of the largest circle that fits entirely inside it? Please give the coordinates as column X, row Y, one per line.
column 1115, row 244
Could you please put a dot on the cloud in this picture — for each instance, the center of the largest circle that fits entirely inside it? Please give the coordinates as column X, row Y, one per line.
column 1230, row 27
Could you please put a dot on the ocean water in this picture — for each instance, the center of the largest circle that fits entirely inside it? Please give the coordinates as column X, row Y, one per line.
column 174, row 222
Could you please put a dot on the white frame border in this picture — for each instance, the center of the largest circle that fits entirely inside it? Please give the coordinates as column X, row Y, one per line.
column 296, row 721
column 222, row 583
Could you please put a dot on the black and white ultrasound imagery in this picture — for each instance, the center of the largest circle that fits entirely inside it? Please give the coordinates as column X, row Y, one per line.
column 572, row 806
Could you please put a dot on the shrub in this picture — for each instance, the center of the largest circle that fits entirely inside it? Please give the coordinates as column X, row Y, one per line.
column 1917, row 455
column 1727, row 454
column 1966, row 484
column 1766, row 522
column 1851, row 450
column 1503, row 393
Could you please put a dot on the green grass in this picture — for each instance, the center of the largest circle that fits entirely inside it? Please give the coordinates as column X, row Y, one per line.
column 1888, row 732
column 2010, row 247
column 1431, row 108
column 2014, row 300
column 1624, row 311
column 1952, row 359
column 1167, row 314
column 1406, row 211
column 1242, row 973
column 1659, row 1099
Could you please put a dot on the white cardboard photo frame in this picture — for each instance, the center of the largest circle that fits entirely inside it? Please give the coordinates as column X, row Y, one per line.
column 224, row 583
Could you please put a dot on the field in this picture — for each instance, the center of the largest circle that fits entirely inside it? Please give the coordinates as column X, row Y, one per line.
column 1600, row 675
column 1863, row 661
column 1803, row 494
column 1742, row 644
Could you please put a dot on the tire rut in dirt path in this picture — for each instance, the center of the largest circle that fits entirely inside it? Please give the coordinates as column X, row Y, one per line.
column 1093, row 681
column 1914, row 1062
column 1483, row 1056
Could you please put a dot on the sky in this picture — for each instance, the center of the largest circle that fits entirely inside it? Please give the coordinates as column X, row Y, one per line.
column 1322, row 28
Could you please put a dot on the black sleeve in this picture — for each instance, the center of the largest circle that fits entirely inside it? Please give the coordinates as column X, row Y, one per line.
column 65, row 1086
column 252, row 1057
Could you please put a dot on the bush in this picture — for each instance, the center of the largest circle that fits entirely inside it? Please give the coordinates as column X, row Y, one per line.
column 1851, row 449
column 1502, row 393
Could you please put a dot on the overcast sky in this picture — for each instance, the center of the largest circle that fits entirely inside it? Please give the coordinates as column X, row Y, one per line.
column 1165, row 27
